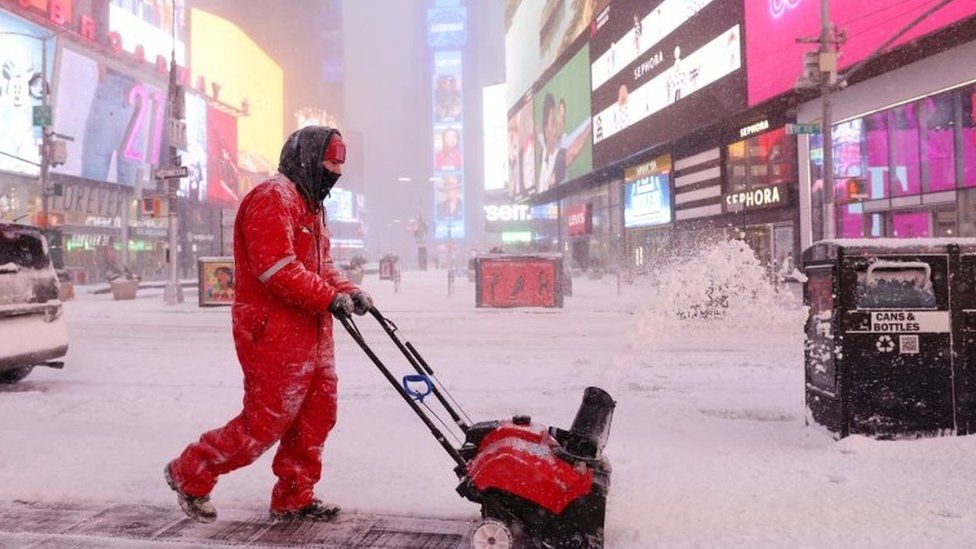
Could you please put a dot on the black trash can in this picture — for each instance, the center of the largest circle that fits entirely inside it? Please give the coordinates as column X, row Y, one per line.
column 891, row 336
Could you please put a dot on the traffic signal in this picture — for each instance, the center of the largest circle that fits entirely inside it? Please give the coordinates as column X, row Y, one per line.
column 857, row 189
column 151, row 207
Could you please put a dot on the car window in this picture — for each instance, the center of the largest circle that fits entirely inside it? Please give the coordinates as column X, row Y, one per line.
column 23, row 249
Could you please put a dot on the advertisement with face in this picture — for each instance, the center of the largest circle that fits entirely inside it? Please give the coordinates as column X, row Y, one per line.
column 447, row 86
column 216, row 281
column 647, row 194
column 20, row 91
column 223, row 176
column 662, row 66
column 194, row 158
column 521, row 151
column 149, row 24
column 540, row 32
column 449, row 208
column 564, row 141
column 115, row 120
column 776, row 59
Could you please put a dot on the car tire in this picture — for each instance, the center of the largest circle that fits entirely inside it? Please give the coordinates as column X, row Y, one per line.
column 13, row 376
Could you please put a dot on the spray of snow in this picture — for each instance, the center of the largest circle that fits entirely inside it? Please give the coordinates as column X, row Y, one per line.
column 721, row 293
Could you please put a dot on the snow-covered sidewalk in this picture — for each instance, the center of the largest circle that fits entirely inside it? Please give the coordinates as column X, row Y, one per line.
column 708, row 445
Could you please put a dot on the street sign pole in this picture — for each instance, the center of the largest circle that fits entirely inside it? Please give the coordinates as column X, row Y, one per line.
column 173, row 292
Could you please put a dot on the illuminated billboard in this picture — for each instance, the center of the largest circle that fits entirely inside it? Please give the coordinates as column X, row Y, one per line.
column 223, row 176
column 194, row 186
column 564, row 140
column 448, row 146
column 116, row 122
column 537, row 33
column 253, row 76
column 447, row 27
column 495, row 138
column 20, row 91
column 521, row 151
column 150, row 25
column 776, row 59
column 661, row 70
column 647, row 194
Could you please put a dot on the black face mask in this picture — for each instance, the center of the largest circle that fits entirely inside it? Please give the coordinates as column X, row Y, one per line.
column 329, row 180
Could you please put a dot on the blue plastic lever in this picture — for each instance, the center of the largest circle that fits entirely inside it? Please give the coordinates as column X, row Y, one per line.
column 417, row 378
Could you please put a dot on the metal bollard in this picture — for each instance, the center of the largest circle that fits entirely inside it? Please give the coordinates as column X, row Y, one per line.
column 450, row 282
column 396, row 280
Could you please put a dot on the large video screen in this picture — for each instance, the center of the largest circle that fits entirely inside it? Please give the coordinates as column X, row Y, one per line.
column 149, row 23
column 20, row 91
column 564, row 140
column 537, row 32
column 223, row 177
column 115, row 121
column 647, row 201
column 647, row 194
column 194, row 186
column 448, row 129
column 521, row 151
column 775, row 59
column 663, row 69
column 495, row 138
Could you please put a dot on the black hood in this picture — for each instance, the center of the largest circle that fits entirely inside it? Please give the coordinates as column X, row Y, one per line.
column 301, row 162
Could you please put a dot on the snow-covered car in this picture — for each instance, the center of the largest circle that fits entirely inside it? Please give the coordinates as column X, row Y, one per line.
column 32, row 328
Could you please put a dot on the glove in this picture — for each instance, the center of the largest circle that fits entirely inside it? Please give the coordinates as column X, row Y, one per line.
column 362, row 301
column 342, row 305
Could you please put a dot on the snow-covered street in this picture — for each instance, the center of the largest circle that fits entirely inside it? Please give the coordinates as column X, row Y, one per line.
column 708, row 444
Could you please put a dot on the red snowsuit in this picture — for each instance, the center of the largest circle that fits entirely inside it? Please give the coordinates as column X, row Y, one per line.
column 283, row 335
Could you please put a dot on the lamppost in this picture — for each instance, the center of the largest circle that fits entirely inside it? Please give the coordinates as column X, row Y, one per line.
column 176, row 133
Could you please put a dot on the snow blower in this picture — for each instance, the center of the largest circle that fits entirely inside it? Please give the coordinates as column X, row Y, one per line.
column 538, row 487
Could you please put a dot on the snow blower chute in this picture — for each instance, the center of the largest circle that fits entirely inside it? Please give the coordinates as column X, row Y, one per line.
column 538, row 487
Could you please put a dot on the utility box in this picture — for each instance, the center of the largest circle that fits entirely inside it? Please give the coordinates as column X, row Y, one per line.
column 511, row 280
column 891, row 336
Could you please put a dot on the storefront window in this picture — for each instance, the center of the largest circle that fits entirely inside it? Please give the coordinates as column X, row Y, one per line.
column 911, row 225
column 969, row 136
column 904, row 143
column 850, row 160
column 938, row 142
column 761, row 161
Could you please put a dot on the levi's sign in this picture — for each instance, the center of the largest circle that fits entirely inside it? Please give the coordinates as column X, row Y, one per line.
column 579, row 220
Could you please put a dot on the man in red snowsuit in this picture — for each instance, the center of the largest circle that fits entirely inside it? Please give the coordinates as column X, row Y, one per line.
column 286, row 288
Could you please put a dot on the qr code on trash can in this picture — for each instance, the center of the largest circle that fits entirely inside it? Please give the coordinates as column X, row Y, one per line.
column 908, row 344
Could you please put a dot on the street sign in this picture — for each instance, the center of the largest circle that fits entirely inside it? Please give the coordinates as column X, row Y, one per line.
column 176, row 131
column 176, row 172
column 800, row 129
column 43, row 115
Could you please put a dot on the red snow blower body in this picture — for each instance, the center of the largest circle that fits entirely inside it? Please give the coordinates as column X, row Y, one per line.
column 538, row 486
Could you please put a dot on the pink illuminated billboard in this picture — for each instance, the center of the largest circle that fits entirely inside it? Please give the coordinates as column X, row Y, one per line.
column 775, row 60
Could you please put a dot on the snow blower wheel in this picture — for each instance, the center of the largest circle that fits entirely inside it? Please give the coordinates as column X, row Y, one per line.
column 491, row 534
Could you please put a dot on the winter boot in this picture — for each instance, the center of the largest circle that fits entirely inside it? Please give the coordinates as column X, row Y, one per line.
column 314, row 512
column 197, row 508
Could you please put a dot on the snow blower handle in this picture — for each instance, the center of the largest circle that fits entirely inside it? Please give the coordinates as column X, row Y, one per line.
column 422, row 368
column 418, row 394
column 357, row 336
